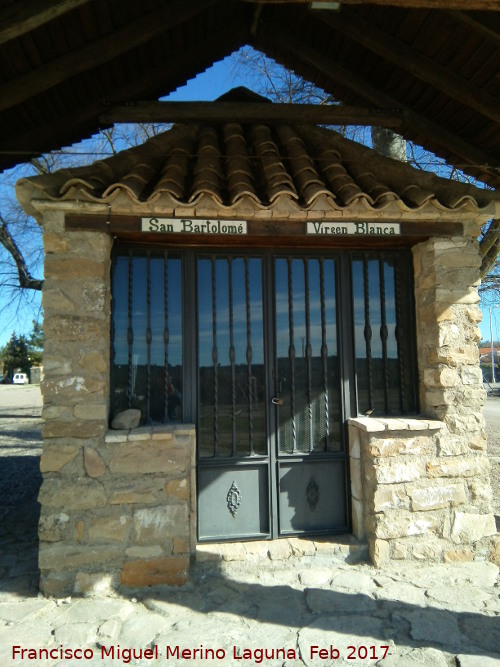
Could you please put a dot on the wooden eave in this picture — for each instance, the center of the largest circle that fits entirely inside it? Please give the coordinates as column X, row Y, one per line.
column 64, row 64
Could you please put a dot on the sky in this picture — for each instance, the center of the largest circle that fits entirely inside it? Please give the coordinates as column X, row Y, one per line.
column 209, row 85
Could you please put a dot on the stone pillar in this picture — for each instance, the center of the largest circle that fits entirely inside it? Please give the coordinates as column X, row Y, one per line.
column 115, row 507
column 451, row 389
column 420, row 487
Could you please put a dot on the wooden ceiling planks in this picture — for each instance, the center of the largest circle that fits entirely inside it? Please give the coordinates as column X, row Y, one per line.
column 466, row 43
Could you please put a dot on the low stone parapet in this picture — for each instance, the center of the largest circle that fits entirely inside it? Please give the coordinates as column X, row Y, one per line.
column 415, row 494
column 117, row 512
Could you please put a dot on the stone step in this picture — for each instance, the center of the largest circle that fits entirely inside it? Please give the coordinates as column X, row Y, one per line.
column 272, row 553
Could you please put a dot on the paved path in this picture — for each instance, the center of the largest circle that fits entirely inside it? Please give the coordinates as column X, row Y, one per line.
column 313, row 610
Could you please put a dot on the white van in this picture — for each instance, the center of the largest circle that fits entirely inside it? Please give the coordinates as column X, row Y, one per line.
column 20, row 378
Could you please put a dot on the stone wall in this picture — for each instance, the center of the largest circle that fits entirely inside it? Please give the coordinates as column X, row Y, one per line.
column 421, row 487
column 412, row 501
column 118, row 508
column 115, row 506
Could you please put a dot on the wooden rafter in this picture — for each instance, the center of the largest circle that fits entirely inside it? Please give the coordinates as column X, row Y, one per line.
column 98, row 52
column 477, row 26
column 244, row 112
column 398, row 53
column 275, row 35
column 468, row 5
column 61, row 132
column 21, row 17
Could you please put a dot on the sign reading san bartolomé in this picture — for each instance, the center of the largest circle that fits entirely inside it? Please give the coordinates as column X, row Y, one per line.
column 188, row 226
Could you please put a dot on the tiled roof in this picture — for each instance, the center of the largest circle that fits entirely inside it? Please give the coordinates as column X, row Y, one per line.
column 236, row 170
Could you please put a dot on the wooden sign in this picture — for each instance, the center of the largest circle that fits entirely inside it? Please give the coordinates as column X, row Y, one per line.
column 353, row 229
column 190, row 226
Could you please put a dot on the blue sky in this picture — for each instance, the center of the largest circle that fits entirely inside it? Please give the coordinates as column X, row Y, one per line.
column 209, row 85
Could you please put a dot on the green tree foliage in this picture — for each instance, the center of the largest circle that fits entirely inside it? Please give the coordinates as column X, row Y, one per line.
column 16, row 356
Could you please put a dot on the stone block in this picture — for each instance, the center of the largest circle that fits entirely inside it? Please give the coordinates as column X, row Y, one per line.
column 94, row 362
column 99, row 583
column 402, row 445
column 55, row 243
column 56, row 584
column 358, row 521
column 379, row 552
column 136, row 491
column 354, row 443
column 431, row 497
column 94, row 465
column 427, row 550
column 469, row 528
column 395, row 470
column 72, row 494
column 60, row 412
column 56, row 302
column 150, row 456
column 52, row 527
column 55, row 457
column 356, row 480
column 458, row 467
column 73, row 387
column 406, row 524
column 495, row 550
column 91, row 411
column 153, row 525
column 79, row 530
column 170, row 570
column 109, row 529
column 69, row 268
column 178, row 488
column 63, row 557
column 75, row 328
column 454, row 356
column 73, row 429
column 181, row 545
column 458, row 556
column 153, row 551
column 442, row 377
column 390, row 497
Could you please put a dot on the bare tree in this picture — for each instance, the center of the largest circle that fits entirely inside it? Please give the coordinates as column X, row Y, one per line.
column 21, row 250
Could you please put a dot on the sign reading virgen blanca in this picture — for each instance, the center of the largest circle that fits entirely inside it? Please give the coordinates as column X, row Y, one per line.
column 239, row 227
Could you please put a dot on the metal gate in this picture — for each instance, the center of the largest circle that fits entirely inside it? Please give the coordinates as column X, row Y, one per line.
column 271, row 388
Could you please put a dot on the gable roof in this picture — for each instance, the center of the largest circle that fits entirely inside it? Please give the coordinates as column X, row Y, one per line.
column 65, row 62
column 233, row 170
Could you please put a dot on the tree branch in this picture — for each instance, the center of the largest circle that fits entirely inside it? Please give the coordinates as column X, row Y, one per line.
column 26, row 280
column 489, row 259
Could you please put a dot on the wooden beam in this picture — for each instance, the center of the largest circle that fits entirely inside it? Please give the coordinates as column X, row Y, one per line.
column 99, row 52
column 477, row 26
column 466, row 5
column 398, row 53
column 243, row 112
column 65, row 130
column 120, row 224
column 21, row 17
column 273, row 35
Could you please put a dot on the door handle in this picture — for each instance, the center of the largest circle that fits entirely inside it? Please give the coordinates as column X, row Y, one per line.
column 277, row 401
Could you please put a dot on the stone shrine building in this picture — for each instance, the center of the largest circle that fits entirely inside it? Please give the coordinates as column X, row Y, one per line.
column 295, row 319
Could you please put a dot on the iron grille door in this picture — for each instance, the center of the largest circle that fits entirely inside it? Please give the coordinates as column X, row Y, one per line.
column 233, row 449
column 271, row 455
column 311, row 461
